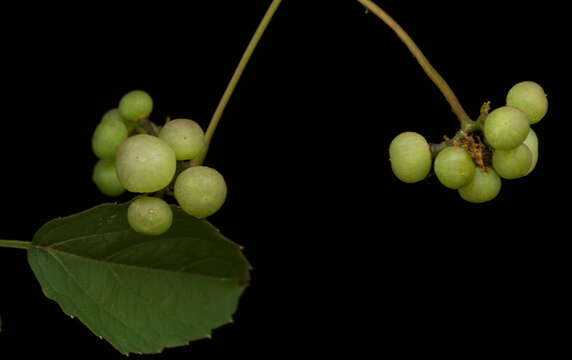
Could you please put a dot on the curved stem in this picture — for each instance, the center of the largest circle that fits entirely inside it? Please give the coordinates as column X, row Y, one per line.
column 234, row 80
column 464, row 119
column 16, row 244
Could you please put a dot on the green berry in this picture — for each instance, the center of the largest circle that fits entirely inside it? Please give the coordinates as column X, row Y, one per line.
column 485, row 186
column 107, row 138
column 114, row 114
column 185, row 137
column 532, row 142
column 200, row 190
column 105, row 177
column 529, row 97
column 410, row 157
column 454, row 167
column 149, row 215
column 513, row 163
column 145, row 163
column 135, row 105
column 506, row 127
column 111, row 114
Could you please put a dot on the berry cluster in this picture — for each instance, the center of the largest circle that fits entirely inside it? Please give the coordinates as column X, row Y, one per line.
column 465, row 163
column 138, row 156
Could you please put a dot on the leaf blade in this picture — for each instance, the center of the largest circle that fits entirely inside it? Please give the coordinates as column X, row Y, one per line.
column 140, row 293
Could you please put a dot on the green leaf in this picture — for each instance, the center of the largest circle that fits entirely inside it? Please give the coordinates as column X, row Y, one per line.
column 141, row 293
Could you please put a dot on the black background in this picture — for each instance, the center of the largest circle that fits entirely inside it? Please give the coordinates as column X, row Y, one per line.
column 345, row 257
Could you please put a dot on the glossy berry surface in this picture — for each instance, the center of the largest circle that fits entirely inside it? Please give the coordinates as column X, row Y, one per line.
column 184, row 136
column 107, row 138
column 105, row 178
column 484, row 187
column 135, row 105
column 410, row 157
column 529, row 97
column 200, row 190
column 149, row 215
column 513, row 163
column 532, row 142
column 454, row 167
column 113, row 114
column 506, row 127
column 145, row 163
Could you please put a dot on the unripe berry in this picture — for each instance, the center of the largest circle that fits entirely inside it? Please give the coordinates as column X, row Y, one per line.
column 532, row 142
column 105, row 177
column 107, row 138
column 506, row 127
column 513, row 163
column 149, row 215
column 410, row 157
column 485, row 186
column 145, row 163
column 135, row 105
column 184, row 136
column 454, row 167
column 113, row 114
column 529, row 97
column 200, row 190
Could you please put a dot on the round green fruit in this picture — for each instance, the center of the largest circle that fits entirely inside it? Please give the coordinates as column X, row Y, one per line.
column 107, row 138
column 145, row 163
column 149, row 215
column 532, row 142
column 111, row 114
column 200, row 190
column 529, row 97
column 410, row 157
column 454, row 167
column 185, row 137
column 105, row 178
column 513, row 163
column 506, row 127
column 485, row 186
column 114, row 114
column 135, row 105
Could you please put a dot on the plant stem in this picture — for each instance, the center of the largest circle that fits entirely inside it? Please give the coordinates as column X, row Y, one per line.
column 474, row 126
column 146, row 126
column 16, row 244
column 464, row 119
column 198, row 160
column 436, row 148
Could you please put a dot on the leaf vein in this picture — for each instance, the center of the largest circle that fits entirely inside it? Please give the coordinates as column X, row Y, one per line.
column 55, row 245
column 150, row 303
column 121, row 321
column 237, row 281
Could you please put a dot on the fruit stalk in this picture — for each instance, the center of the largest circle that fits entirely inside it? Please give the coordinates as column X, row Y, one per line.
column 474, row 126
column 464, row 119
column 198, row 160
